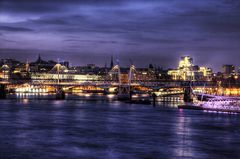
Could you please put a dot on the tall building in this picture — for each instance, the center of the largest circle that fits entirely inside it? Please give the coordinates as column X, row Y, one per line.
column 228, row 70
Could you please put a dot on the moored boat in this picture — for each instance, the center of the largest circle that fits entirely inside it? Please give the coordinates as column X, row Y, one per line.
column 219, row 104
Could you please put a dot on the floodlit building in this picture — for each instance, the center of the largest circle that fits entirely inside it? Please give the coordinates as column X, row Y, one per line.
column 187, row 71
column 4, row 72
column 61, row 73
column 64, row 77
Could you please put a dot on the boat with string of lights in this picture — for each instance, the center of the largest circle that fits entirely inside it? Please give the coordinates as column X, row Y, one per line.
column 217, row 104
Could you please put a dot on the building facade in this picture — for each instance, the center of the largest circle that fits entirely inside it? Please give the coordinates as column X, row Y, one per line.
column 187, row 71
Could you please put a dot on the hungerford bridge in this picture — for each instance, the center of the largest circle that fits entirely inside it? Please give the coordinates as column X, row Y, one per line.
column 123, row 84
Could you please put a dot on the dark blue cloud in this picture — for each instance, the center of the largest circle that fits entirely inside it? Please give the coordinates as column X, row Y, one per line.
column 14, row 29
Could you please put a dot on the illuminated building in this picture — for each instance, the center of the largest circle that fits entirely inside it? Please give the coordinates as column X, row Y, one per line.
column 207, row 72
column 145, row 74
column 187, row 71
column 4, row 72
column 60, row 73
column 185, row 62
column 64, row 77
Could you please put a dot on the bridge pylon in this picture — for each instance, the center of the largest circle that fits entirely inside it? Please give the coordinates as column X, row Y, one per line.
column 125, row 87
column 188, row 93
column 60, row 93
column 3, row 91
column 124, row 92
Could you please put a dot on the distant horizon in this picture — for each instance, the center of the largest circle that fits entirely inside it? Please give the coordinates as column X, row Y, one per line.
column 44, row 55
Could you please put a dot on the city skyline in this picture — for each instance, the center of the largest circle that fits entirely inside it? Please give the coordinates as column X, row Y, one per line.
column 114, row 61
column 157, row 32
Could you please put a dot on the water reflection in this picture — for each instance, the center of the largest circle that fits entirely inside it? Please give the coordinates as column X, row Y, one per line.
column 183, row 132
column 25, row 101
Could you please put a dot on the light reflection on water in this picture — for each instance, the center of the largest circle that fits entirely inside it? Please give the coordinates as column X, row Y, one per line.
column 84, row 97
column 93, row 129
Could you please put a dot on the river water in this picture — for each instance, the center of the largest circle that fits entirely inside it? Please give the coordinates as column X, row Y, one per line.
column 48, row 129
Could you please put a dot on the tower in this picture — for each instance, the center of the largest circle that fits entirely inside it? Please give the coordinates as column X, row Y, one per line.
column 111, row 64
column 39, row 60
column 105, row 68
column 27, row 66
column 39, row 57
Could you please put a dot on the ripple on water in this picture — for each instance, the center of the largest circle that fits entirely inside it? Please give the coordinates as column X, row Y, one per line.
column 76, row 129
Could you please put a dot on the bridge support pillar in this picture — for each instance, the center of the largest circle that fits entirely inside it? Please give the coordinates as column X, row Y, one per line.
column 60, row 94
column 105, row 91
column 124, row 92
column 3, row 91
column 154, row 96
column 130, row 94
column 187, row 95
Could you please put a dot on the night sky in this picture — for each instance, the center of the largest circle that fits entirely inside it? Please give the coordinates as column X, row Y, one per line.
column 147, row 31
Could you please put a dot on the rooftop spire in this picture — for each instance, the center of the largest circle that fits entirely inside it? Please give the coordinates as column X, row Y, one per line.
column 111, row 64
column 39, row 57
column 27, row 66
column 39, row 60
